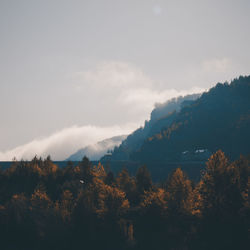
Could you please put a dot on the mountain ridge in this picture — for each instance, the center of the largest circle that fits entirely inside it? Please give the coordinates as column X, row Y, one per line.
column 160, row 117
column 219, row 119
column 193, row 129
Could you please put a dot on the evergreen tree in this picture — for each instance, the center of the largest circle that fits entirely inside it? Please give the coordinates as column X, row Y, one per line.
column 143, row 180
column 86, row 170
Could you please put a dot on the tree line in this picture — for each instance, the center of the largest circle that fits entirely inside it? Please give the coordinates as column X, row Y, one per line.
column 87, row 207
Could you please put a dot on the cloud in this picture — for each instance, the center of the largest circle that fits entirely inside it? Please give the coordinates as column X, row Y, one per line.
column 65, row 142
column 96, row 151
column 114, row 74
column 218, row 65
column 145, row 98
column 131, row 89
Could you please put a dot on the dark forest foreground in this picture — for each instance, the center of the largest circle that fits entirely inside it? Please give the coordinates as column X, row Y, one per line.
column 85, row 207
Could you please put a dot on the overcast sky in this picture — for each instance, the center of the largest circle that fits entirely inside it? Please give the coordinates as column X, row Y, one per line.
column 74, row 72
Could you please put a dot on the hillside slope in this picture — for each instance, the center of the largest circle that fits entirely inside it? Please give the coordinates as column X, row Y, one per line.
column 162, row 116
column 219, row 119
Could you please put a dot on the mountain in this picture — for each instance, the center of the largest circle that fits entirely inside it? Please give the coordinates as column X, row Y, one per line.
column 95, row 151
column 219, row 119
column 161, row 117
column 186, row 131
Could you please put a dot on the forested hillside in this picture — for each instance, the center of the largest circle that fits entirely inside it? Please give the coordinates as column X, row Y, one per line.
column 87, row 207
column 161, row 117
column 219, row 119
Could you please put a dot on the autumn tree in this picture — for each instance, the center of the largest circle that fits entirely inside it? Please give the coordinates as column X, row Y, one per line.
column 220, row 187
column 179, row 190
column 221, row 203
column 65, row 206
column 151, row 220
column 127, row 183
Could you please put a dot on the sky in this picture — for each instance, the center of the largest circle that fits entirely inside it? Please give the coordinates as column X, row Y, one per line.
column 75, row 72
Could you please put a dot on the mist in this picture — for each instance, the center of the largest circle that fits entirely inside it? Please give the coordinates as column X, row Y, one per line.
column 65, row 142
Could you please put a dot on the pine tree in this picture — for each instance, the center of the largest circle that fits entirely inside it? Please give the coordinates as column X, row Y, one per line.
column 143, row 180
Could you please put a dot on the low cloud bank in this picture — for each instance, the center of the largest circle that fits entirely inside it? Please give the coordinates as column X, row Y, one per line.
column 65, row 142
